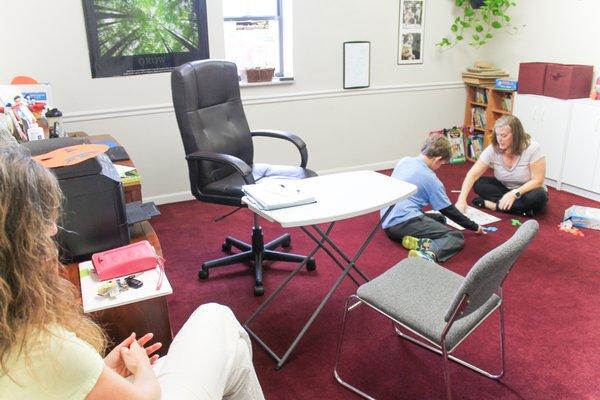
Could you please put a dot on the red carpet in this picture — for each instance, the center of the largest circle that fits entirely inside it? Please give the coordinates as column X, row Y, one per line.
column 551, row 304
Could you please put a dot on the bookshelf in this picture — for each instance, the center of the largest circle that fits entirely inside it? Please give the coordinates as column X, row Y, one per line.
column 483, row 107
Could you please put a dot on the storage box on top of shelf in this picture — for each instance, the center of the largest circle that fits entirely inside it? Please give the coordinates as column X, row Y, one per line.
column 568, row 81
column 583, row 217
column 531, row 77
column 506, row 84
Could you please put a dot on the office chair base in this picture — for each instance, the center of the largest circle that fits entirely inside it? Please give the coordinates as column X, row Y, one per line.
column 255, row 254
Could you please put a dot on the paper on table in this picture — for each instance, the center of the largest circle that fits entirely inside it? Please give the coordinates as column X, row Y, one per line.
column 277, row 193
column 475, row 215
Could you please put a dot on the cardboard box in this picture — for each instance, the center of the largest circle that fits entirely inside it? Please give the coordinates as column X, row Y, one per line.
column 565, row 81
column 531, row 77
column 583, row 217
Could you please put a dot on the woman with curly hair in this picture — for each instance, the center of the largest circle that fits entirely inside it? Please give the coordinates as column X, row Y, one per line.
column 50, row 350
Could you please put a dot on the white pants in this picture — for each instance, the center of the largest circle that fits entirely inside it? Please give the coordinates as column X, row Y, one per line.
column 209, row 359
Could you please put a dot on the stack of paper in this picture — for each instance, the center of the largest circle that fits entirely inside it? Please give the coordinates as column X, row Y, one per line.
column 129, row 175
column 277, row 193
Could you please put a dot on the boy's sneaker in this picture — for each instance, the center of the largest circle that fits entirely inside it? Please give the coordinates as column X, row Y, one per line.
column 413, row 243
column 427, row 255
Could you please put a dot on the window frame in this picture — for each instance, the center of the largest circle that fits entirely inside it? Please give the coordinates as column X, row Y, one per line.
column 280, row 19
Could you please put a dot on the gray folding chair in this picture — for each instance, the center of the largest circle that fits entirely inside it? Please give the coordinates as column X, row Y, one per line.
column 438, row 305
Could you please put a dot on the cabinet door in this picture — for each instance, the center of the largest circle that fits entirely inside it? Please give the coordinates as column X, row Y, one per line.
column 582, row 146
column 528, row 108
column 546, row 119
column 552, row 135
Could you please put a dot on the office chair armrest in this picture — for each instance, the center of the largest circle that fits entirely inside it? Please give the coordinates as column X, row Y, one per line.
column 244, row 169
column 290, row 137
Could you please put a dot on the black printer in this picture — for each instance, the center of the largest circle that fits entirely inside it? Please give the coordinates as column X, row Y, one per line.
column 93, row 216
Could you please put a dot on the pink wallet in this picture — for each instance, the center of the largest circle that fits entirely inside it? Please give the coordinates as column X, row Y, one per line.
column 127, row 260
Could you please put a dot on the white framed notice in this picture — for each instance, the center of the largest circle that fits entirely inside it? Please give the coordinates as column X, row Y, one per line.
column 357, row 56
column 411, row 23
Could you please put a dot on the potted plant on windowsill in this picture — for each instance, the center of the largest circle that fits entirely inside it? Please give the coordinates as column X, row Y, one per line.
column 258, row 74
column 479, row 20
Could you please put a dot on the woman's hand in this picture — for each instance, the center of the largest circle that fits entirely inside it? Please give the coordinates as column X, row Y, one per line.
column 507, row 200
column 134, row 357
column 114, row 361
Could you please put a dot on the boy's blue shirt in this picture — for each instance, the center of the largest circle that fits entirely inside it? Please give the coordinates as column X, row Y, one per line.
column 430, row 191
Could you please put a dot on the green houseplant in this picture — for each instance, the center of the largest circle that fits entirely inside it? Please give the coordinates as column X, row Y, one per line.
column 479, row 20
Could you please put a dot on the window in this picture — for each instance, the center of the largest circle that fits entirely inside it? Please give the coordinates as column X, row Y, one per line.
column 258, row 34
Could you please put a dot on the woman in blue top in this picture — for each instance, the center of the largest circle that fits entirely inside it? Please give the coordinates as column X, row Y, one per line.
column 425, row 234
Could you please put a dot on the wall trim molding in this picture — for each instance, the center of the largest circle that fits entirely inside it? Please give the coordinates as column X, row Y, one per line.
column 152, row 109
column 186, row 195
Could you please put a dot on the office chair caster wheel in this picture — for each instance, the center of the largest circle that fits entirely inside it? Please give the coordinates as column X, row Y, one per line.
column 203, row 274
column 259, row 290
column 311, row 265
column 286, row 243
column 226, row 247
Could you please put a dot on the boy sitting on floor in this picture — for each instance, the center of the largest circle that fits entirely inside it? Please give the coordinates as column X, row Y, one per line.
column 425, row 234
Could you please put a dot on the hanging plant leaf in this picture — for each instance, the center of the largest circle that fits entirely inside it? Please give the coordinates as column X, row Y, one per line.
column 478, row 19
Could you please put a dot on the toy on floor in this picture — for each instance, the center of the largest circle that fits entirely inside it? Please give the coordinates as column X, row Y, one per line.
column 515, row 222
column 489, row 228
column 567, row 226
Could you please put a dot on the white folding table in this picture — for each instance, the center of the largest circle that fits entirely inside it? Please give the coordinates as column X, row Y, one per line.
column 339, row 196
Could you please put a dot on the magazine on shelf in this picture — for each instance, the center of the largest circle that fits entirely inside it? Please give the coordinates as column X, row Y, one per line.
column 457, row 144
column 277, row 193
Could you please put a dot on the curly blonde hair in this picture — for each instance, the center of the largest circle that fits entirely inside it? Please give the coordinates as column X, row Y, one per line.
column 33, row 293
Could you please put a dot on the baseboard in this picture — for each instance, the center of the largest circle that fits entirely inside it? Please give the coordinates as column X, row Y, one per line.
column 579, row 192
column 170, row 197
column 185, row 196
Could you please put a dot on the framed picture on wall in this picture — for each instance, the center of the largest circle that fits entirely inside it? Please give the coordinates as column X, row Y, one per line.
column 144, row 36
column 411, row 25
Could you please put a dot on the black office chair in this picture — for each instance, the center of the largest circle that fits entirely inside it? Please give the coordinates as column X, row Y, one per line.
column 219, row 151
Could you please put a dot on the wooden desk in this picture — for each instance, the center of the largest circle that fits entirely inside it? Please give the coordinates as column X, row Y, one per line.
column 145, row 316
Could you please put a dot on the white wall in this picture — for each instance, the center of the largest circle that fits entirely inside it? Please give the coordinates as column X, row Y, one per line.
column 343, row 129
column 550, row 30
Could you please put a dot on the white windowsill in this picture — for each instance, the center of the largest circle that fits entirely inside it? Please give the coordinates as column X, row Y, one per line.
column 274, row 82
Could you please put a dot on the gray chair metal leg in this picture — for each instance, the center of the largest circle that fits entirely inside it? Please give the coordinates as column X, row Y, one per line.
column 441, row 350
column 336, row 374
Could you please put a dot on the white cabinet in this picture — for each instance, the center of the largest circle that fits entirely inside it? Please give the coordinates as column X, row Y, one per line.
column 581, row 167
column 546, row 119
column 569, row 133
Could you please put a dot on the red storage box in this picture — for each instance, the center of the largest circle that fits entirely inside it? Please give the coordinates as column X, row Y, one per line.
column 531, row 77
column 568, row 81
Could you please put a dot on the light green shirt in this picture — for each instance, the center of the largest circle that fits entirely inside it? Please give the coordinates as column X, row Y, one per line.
column 59, row 366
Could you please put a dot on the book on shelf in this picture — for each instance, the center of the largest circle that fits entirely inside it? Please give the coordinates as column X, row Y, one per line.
column 475, row 144
column 479, row 119
column 277, row 193
column 481, row 95
column 507, row 103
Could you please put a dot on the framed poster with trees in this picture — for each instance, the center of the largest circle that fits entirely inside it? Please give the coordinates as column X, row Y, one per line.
column 128, row 37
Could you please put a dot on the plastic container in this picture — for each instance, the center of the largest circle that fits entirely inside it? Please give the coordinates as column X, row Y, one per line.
column 35, row 132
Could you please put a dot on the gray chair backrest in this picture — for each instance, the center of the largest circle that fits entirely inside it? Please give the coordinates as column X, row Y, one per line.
column 488, row 273
column 210, row 116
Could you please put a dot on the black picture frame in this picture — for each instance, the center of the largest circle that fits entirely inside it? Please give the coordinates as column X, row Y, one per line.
column 357, row 64
column 100, row 18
